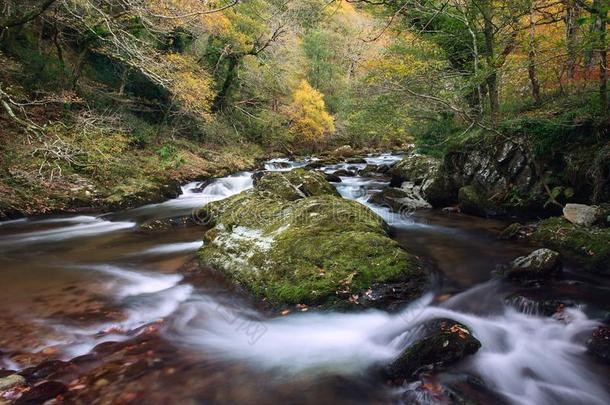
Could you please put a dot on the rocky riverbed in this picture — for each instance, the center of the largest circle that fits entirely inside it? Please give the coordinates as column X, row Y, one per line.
column 312, row 281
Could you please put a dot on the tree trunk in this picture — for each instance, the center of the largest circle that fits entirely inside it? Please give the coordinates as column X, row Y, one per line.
column 9, row 21
column 603, row 56
column 571, row 20
column 492, row 76
column 221, row 99
column 78, row 68
column 531, row 66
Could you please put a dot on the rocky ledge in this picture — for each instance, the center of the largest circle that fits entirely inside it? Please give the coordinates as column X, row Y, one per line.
column 292, row 240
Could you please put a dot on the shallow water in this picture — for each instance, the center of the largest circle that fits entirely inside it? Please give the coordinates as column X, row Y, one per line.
column 74, row 282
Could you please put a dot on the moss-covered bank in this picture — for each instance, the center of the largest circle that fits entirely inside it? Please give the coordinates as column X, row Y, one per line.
column 315, row 249
column 590, row 245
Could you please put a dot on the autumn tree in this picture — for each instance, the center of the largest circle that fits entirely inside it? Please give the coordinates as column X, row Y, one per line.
column 309, row 123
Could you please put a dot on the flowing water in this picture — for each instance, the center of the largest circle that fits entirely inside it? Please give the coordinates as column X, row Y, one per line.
column 74, row 284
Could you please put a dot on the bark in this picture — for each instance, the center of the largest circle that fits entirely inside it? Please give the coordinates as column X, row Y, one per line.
column 9, row 21
column 492, row 76
column 531, row 67
column 573, row 11
column 221, row 99
column 603, row 57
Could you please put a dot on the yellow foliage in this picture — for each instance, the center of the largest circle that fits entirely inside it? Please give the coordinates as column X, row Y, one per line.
column 310, row 123
column 191, row 86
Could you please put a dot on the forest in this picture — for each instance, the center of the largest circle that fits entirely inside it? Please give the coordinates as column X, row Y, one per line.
column 304, row 201
column 93, row 91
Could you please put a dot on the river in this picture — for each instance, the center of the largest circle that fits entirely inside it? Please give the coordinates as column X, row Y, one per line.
column 115, row 297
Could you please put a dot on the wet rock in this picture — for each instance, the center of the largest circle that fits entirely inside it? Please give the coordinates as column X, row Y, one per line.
column 400, row 199
column 41, row 393
column 45, row 369
column 355, row 160
column 581, row 214
column 11, row 381
column 443, row 342
column 369, row 171
column 315, row 249
column 599, row 344
column 589, row 245
column 539, row 264
column 473, row 201
column 344, row 173
column 314, row 165
column 450, row 389
column 332, row 178
column 384, row 169
column 538, row 306
column 166, row 224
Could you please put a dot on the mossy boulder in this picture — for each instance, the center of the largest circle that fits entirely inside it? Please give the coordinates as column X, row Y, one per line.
column 312, row 250
column 590, row 245
column 294, row 184
column 415, row 168
column 442, row 342
column 473, row 201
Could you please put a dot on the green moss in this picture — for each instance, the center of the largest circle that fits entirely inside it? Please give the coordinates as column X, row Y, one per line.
column 590, row 244
column 473, row 201
column 511, row 232
column 312, row 250
column 295, row 184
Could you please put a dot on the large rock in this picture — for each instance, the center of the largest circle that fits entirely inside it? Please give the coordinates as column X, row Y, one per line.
column 474, row 201
column 422, row 175
column 538, row 265
column 401, row 199
column 442, row 342
column 415, row 168
column 589, row 245
column 315, row 248
column 295, row 184
column 581, row 214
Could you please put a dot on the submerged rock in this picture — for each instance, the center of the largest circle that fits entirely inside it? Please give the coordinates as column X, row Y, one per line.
column 42, row 392
column 581, row 214
column 539, row 264
column 535, row 306
column 599, row 344
column 513, row 231
column 290, row 248
column 590, row 245
column 443, row 342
